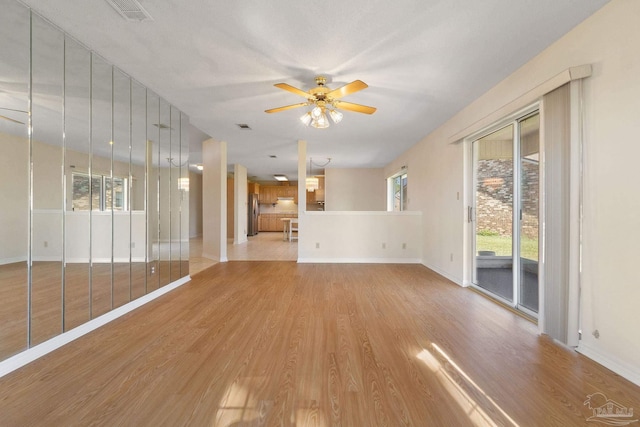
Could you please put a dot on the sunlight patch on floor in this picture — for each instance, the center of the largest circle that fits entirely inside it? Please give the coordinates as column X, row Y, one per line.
column 467, row 403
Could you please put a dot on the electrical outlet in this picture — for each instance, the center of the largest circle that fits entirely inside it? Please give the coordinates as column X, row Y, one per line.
column 317, row 245
column 384, row 245
column 46, row 244
column 404, row 246
column 451, row 257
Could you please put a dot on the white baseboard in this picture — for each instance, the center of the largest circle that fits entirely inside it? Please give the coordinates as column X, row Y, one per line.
column 621, row 368
column 455, row 280
column 29, row 355
column 103, row 260
column 359, row 260
column 44, row 258
column 13, row 260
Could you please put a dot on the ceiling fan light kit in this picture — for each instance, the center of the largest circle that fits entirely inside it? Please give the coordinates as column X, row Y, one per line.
column 323, row 101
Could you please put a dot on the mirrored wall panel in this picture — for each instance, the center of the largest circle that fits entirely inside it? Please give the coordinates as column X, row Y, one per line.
column 14, row 182
column 94, row 200
column 47, row 155
column 77, row 230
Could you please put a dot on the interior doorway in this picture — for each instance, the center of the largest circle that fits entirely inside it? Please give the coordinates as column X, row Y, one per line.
column 505, row 213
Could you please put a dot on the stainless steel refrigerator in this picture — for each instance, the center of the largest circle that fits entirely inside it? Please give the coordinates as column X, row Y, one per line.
column 254, row 211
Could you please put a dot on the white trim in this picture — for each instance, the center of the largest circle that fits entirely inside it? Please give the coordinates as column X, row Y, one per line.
column 102, row 260
column 620, row 367
column 28, row 356
column 359, row 261
column 12, row 260
column 447, row 276
column 363, row 213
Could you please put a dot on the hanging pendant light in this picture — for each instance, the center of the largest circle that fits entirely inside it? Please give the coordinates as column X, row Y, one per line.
column 311, row 183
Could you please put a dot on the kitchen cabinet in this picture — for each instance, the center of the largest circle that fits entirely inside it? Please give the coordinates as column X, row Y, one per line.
column 273, row 222
column 311, row 197
column 269, row 193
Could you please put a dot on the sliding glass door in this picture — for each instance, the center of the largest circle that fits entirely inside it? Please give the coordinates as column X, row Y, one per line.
column 506, row 211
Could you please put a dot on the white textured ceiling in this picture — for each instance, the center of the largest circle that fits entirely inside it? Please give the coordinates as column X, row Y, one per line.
column 217, row 61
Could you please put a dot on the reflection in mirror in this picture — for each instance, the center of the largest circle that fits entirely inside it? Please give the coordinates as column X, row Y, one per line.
column 184, row 203
column 94, row 200
column 101, row 195
column 47, row 155
column 137, row 188
column 153, row 163
column 175, row 193
column 165, row 192
column 14, row 178
column 118, row 188
column 77, row 231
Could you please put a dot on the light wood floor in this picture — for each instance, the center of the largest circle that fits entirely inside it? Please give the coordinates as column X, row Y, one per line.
column 265, row 246
column 287, row 344
column 84, row 302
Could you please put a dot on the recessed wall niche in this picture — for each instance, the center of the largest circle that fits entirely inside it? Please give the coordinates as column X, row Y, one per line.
column 94, row 188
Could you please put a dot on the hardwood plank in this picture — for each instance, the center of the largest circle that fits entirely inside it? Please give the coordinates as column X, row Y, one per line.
column 254, row 343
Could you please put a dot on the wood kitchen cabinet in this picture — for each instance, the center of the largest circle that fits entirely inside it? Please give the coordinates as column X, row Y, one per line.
column 273, row 222
column 254, row 188
column 311, row 197
column 269, row 193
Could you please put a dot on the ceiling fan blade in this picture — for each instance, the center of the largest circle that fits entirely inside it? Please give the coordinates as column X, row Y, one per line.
column 295, row 90
column 355, row 107
column 287, row 107
column 10, row 119
column 12, row 109
column 347, row 89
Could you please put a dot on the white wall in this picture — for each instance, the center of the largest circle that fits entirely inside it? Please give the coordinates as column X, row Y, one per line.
column 355, row 189
column 609, row 41
column 14, row 199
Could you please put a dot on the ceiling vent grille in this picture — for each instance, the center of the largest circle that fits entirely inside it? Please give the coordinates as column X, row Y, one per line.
column 130, row 10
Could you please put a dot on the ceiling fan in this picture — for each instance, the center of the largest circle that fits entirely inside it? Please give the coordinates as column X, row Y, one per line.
column 324, row 100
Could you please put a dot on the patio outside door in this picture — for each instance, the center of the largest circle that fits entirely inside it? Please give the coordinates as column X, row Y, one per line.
column 506, row 213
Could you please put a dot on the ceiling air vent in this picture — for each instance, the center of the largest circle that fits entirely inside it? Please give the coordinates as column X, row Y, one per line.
column 243, row 126
column 130, row 10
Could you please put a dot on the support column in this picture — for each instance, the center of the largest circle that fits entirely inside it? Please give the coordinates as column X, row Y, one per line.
column 302, row 194
column 241, row 213
column 214, row 200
